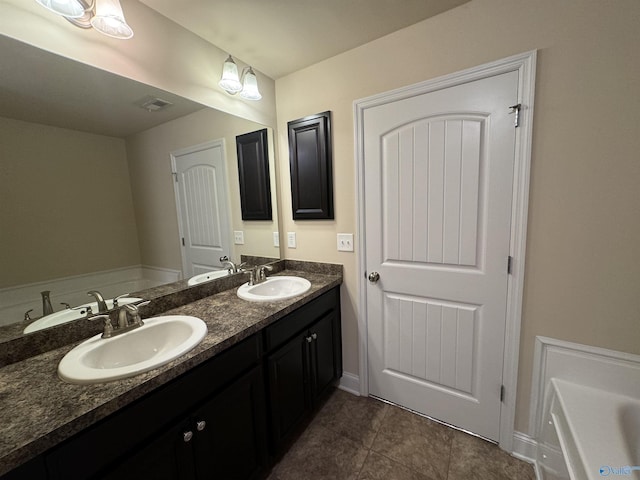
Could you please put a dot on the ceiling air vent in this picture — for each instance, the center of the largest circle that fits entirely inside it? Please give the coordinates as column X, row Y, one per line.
column 153, row 104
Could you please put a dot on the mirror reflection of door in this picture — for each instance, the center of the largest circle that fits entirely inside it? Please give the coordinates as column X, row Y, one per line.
column 201, row 201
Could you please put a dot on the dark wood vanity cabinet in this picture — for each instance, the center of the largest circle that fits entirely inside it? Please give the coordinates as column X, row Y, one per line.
column 227, row 418
column 303, row 369
column 212, row 418
column 224, row 438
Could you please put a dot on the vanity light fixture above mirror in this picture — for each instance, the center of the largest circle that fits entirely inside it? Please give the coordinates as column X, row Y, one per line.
column 105, row 16
column 246, row 84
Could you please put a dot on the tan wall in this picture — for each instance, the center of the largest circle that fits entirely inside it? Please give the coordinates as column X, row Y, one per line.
column 65, row 203
column 583, row 263
column 149, row 155
column 161, row 54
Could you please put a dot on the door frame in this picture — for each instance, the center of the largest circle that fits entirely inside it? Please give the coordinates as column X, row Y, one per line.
column 176, row 192
column 525, row 65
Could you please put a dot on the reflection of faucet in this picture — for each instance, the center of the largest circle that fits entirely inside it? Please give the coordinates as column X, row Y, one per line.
column 47, row 309
column 231, row 267
column 102, row 305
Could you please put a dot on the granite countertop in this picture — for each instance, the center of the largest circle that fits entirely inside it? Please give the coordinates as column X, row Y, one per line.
column 39, row 410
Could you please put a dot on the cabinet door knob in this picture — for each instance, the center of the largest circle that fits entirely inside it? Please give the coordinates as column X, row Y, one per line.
column 309, row 339
column 201, row 425
column 187, row 436
column 314, row 336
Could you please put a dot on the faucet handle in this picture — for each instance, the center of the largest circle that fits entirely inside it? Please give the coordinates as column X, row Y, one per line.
column 108, row 328
column 115, row 300
column 133, row 310
column 224, row 258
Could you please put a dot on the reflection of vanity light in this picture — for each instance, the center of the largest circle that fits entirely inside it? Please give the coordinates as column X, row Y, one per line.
column 105, row 16
column 230, row 81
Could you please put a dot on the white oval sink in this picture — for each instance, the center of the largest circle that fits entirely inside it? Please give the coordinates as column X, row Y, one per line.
column 157, row 342
column 274, row 288
column 76, row 313
column 206, row 277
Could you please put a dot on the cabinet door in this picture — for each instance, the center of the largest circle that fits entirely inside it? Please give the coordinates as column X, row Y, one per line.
column 325, row 368
column 168, row 457
column 289, row 395
column 230, row 431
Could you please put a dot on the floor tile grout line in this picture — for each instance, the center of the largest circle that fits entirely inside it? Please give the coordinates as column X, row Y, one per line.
column 453, row 435
column 363, row 464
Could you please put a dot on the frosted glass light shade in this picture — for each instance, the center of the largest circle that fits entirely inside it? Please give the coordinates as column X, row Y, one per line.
column 250, row 87
column 66, row 8
column 230, row 82
column 109, row 19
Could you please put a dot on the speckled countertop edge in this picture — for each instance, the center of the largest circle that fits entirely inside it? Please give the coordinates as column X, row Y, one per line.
column 39, row 411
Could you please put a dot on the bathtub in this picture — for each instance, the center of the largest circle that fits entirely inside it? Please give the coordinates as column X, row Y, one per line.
column 596, row 431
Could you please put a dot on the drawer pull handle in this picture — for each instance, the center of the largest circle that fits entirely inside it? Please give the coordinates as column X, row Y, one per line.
column 187, row 436
column 314, row 336
column 309, row 339
column 201, row 425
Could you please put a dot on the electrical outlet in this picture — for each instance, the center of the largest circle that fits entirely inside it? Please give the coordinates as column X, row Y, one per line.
column 276, row 239
column 345, row 242
column 238, row 237
column 291, row 239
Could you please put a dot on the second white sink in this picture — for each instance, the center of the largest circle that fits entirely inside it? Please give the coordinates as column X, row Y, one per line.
column 274, row 288
column 157, row 342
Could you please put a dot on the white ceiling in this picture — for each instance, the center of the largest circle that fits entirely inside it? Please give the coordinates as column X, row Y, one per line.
column 281, row 36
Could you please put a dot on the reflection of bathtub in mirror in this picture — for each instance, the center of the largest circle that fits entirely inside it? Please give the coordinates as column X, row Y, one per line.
column 207, row 277
column 71, row 314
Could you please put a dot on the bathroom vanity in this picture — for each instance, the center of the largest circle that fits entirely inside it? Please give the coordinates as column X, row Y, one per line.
column 228, row 409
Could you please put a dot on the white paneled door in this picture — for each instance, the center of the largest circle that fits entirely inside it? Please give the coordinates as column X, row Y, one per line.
column 438, row 185
column 201, row 199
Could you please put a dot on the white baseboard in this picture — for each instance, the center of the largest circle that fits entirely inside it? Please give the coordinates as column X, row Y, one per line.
column 524, row 447
column 350, row 383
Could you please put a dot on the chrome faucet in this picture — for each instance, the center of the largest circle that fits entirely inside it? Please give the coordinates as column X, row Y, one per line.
column 120, row 319
column 102, row 305
column 231, row 267
column 257, row 274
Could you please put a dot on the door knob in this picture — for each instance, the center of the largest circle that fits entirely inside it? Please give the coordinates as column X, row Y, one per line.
column 374, row 277
column 187, row 436
column 201, row 425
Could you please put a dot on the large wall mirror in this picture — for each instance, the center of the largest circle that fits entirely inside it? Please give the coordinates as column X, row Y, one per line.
column 88, row 169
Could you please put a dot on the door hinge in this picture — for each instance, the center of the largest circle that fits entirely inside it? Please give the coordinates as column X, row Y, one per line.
column 175, row 176
column 502, row 393
column 516, row 109
column 183, row 241
column 509, row 264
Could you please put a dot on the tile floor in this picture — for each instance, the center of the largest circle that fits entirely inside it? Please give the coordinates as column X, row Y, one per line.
column 359, row 438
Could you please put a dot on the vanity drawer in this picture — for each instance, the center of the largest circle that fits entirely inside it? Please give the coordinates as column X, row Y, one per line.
column 300, row 319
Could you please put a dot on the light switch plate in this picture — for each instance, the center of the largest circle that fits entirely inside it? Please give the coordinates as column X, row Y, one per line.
column 291, row 239
column 238, row 237
column 345, row 242
column 276, row 239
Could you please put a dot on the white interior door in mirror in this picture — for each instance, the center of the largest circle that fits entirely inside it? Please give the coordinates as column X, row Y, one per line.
column 202, row 205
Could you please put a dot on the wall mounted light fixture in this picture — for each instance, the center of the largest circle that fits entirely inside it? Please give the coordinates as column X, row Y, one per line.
column 246, row 85
column 105, row 16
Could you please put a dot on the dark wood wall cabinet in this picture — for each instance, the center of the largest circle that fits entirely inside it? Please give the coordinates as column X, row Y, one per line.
column 253, row 171
column 229, row 418
column 310, row 159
